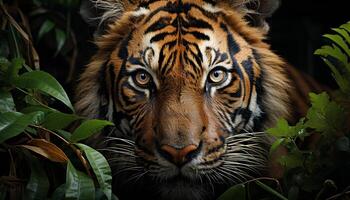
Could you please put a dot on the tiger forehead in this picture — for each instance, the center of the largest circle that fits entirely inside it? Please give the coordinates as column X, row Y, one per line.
column 178, row 37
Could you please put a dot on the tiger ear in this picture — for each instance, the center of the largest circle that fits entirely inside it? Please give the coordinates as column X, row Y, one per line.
column 100, row 13
column 255, row 11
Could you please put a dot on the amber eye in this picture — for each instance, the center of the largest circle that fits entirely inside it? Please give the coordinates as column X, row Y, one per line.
column 142, row 78
column 217, row 76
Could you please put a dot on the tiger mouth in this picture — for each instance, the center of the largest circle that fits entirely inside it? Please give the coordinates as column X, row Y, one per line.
column 244, row 157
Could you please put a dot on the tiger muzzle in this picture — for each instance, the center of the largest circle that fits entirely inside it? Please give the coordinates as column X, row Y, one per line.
column 177, row 156
column 180, row 130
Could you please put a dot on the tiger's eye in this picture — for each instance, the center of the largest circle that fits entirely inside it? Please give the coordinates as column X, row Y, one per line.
column 142, row 78
column 217, row 76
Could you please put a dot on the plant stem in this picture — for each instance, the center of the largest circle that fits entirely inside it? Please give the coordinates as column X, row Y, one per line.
column 51, row 132
column 17, row 52
column 81, row 158
column 269, row 189
column 36, row 100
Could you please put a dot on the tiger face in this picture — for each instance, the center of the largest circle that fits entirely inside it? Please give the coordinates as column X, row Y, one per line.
column 189, row 85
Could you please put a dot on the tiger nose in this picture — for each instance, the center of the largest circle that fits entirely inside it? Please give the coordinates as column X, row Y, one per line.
column 179, row 156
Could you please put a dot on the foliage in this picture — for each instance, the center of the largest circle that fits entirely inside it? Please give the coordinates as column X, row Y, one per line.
column 317, row 159
column 40, row 133
column 39, row 145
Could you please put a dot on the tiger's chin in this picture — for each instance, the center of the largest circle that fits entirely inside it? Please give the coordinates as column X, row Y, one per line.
column 184, row 189
column 176, row 188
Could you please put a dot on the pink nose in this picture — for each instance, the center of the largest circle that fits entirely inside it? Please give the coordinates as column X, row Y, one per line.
column 179, row 156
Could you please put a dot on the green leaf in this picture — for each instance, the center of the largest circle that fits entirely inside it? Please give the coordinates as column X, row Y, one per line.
column 300, row 129
column 35, row 108
column 46, row 27
column 343, row 83
column 346, row 26
column 343, row 33
column 276, row 144
column 339, row 41
column 334, row 52
column 78, row 184
column 6, row 101
column 12, row 71
column 29, row 99
column 319, row 101
column 38, row 184
column 60, row 39
column 101, row 169
column 335, row 116
column 38, row 118
column 44, row 82
column 88, row 128
column 4, row 65
column 325, row 116
column 14, row 123
column 59, row 120
column 65, row 134
column 292, row 160
column 236, row 192
column 282, row 129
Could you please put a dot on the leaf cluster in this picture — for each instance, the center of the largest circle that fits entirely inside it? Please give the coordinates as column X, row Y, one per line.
column 37, row 140
column 317, row 159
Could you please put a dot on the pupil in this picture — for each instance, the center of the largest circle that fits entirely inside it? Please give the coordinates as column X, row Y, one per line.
column 216, row 74
column 143, row 76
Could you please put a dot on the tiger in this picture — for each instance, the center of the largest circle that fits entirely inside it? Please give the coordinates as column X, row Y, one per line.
column 190, row 85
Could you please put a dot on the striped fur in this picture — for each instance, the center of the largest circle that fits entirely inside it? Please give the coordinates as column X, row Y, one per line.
column 179, row 45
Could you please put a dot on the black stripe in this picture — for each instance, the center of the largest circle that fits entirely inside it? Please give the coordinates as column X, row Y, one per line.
column 258, row 121
column 199, row 53
column 123, row 51
column 197, row 58
column 244, row 112
column 233, row 49
column 196, row 23
column 170, row 64
column 208, row 14
column 161, row 54
column 213, row 2
column 233, row 45
column 194, row 66
column 134, row 61
column 174, row 8
column 232, row 95
column 161, row 36
column 198, row 35
column 169, row 7
column 223, row 57
column 248, row 66
column 145, row 4
column 158, row 25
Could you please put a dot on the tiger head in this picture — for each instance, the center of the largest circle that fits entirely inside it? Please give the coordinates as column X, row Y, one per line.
column 189, row 84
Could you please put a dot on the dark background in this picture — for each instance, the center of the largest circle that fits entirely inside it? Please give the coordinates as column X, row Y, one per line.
column 296, row 30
